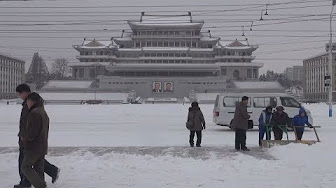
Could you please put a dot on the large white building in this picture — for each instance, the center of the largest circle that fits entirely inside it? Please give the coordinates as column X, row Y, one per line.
column 165, row 56
column 12, row 72
column 314, row 70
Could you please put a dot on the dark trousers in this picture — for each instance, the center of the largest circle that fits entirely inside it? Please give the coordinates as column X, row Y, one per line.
column 49, row 169
column 199, row 138
column 278, row 133
column 262, row 131
column 299, row 134
column 33, row 168
column 240, row 139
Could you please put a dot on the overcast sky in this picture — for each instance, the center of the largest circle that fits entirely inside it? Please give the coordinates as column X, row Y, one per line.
column 292, row 31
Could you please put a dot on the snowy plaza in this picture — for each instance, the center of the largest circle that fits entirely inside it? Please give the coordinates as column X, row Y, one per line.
column 147, row 145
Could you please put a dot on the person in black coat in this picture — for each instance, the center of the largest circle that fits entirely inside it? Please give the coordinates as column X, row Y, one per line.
column 195, row 115
column 279, row 118
column 23, row 90
column 240, row 124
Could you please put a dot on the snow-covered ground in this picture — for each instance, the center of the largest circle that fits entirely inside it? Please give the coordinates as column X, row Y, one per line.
column 147, row 146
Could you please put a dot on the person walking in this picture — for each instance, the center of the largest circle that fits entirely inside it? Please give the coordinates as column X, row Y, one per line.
column 23, row 91
column 35, row 141
column 299, row 121
column 264, row 121
column 195, row 116
column 280, row 121
column 240, row 124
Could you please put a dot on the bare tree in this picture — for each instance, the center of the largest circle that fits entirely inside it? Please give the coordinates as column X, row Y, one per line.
column 59, row 68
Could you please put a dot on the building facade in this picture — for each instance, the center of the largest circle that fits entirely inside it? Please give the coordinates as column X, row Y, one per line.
column 165, row 56
column 294, row 73
column 12, row 72
column 314, row 70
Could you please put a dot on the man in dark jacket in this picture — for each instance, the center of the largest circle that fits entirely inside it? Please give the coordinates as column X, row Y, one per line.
column 280, row 121
column 196, row 116
column 265, row 120
column 23, row 90
column 35, row 141
column 240, row 124
column 299, row 121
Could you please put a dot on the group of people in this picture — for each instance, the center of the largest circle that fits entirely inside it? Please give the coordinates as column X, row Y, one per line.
column 34, row 129
column 33, row 141
column 277, row 121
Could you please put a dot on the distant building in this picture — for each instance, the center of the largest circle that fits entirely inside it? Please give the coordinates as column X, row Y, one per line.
column 294, row 73
column 314, row 70
column 12, row 72
column 165, row 56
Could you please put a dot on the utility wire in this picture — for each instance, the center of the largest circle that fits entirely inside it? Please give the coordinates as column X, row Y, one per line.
column 165, row 6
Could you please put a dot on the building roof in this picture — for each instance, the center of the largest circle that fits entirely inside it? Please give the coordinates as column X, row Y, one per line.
column 257, row 85
column 165, row 48
column 69, row 96
column 211, row 39
column 237, row 45
column 163, row 66
column 147, row 20
column 67, row 84
column 201, row 49
column 239, row 64
column 123, row 39
column 318, row 56
column 85, row 64
column 95, row 44
column 11, row 57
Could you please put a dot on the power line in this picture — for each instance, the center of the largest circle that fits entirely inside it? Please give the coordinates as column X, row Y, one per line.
column 288, row 50
column 161, row 20
column 166, row 6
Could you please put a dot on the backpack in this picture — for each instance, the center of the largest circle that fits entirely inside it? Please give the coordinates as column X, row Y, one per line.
column 190, row 123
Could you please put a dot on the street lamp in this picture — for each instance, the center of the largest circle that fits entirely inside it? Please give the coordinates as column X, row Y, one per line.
column 330, row 62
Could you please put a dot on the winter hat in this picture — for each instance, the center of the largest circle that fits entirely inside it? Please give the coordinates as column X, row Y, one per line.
column 280, row 108
column 194, row 104
column 269, row 108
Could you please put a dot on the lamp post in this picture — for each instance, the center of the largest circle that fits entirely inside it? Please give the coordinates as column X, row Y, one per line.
column 330, row 67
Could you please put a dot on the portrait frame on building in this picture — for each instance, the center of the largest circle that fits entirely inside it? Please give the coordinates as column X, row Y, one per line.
column 168, row 87
column 157, row 87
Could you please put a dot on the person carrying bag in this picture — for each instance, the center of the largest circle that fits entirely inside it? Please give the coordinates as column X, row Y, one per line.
column 195, row 123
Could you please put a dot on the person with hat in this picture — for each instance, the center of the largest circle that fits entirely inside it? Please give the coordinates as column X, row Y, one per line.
column 265, row 120
column 35, row 140
column 279, row 118
column 299, row 121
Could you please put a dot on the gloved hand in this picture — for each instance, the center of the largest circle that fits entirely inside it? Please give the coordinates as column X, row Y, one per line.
column 204, row 126
column 310, row 126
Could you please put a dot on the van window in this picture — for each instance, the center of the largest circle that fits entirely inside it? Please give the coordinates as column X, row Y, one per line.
column 233, row 101
column 289, row 102
column 263, row 102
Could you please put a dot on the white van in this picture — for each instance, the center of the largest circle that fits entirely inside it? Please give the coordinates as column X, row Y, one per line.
column 225, row 105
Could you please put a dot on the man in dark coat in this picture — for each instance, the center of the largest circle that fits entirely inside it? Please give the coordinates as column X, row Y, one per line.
column 279, row 118
column 240, row 124
column 23, row 90
column 35, row 141
column 196, row 116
